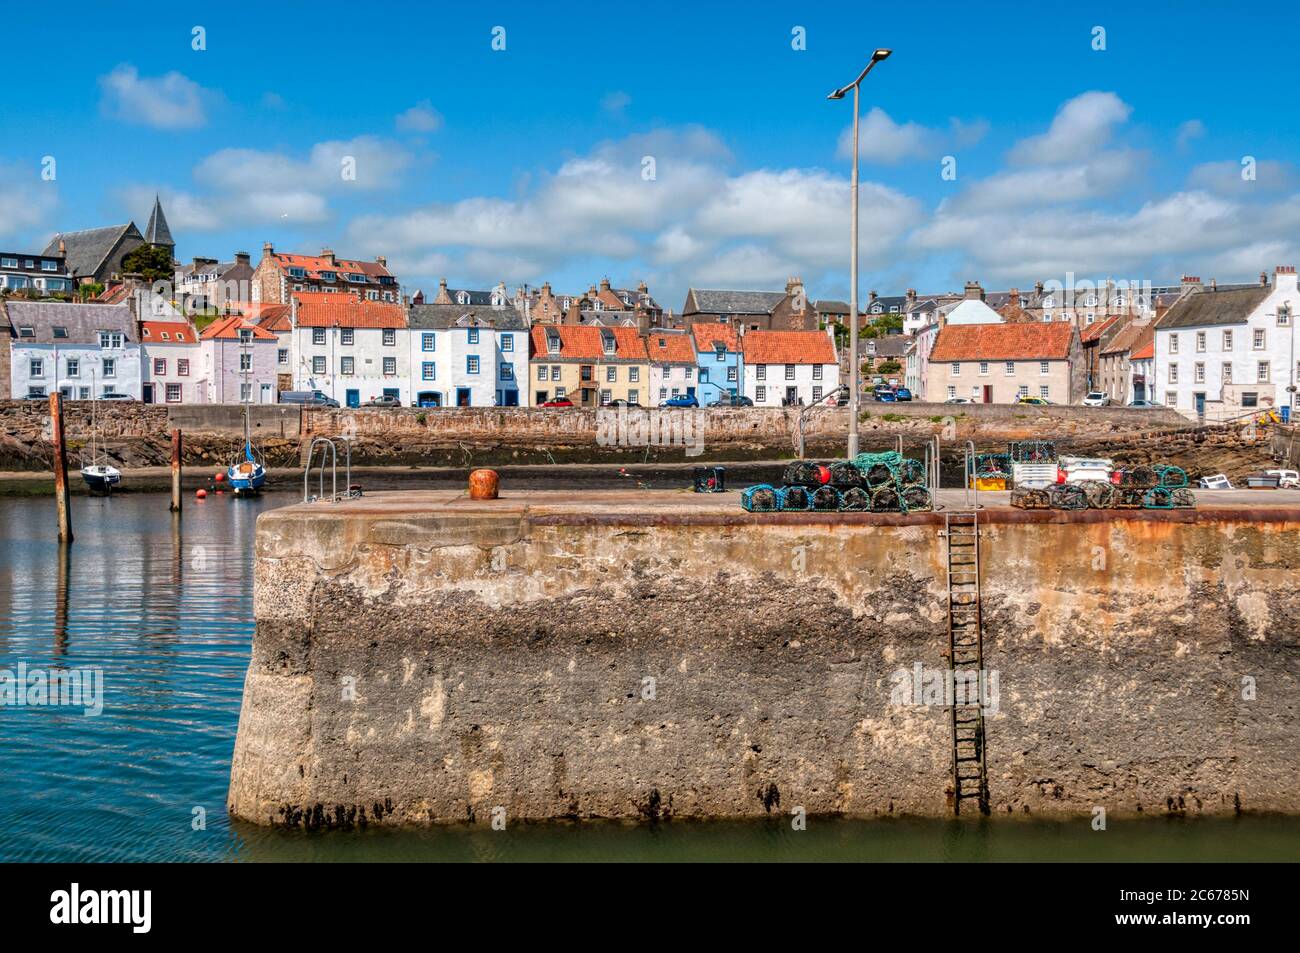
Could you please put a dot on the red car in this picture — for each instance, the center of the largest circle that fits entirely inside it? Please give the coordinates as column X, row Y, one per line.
column 558, row 402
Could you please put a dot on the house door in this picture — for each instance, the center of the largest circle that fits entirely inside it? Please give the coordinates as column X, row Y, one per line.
column 462, row 396
column 1198, row 401
column 988, row 393
column 353, row 397
column 428, row 398
column 690, row 392
column 792, row 395
column 267, row 396
column 510, row 398
column 148, row 393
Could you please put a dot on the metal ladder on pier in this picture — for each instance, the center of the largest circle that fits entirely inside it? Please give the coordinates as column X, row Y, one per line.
column 970, row 778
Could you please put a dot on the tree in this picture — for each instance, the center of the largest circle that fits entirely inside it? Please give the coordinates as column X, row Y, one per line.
column 890, row 366
column 151, row 261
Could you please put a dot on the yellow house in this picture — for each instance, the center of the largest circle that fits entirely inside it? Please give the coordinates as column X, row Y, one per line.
column 589, row 365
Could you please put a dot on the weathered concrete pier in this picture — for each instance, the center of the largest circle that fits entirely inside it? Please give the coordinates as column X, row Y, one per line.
column 424, row 658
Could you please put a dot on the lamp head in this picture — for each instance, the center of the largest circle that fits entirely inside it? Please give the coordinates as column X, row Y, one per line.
column 881, row 54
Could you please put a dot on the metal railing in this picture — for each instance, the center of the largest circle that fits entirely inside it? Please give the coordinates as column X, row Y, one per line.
column 328, row 447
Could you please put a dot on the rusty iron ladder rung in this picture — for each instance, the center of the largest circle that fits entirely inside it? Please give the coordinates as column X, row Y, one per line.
column 966, row 653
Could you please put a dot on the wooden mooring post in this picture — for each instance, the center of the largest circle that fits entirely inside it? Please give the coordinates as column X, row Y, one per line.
column 61, row 498
column 176, row 471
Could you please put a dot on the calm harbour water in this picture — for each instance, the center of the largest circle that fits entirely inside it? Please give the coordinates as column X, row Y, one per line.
column 165, row 609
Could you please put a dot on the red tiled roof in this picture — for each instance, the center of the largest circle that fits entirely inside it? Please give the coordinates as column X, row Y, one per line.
column 788, row 347
column 267, row 314
column 1041, row 340
column 1093, row 331
column 178, row 332
column 316, row 309
column 314, row 265
column 584, row 342
column 1145, row 352
column 228, row 329
column 706, row 335
column 667, row 348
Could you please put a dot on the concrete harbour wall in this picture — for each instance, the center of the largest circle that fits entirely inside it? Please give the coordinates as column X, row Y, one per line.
column 423, row 659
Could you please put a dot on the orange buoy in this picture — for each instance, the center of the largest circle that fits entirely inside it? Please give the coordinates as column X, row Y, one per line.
column 483, row 484
column 202, row 494
column 220, row 476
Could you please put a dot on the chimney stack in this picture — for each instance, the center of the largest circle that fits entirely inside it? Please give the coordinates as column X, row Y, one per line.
column 243, row 258
column 328, row 255
column 1038, row 288
column 267, row 249
column 974, row 292
column 1284, row 278
column 382, row 260
column 1190, row 283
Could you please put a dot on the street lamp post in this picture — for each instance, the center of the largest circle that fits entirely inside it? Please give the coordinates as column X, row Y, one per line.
column 876, row 57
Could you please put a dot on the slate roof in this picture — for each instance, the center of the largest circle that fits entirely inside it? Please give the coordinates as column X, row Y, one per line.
column 87, row 249
column 157, row 232
column 788, row 347
column 434, row 317
column 831, row 306
column 1136, row 334
column 481, row 299
column 1043, row 341
column 83, row 321
column 889, row 345
column 734, row 302
column 1210, row 308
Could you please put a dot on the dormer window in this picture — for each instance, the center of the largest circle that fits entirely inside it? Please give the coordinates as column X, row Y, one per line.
column 297, row 272
column 607, row 341
column 498, row 300
column 552, row 342
column 1049, row 302
column 462, row 297
column 329, row 276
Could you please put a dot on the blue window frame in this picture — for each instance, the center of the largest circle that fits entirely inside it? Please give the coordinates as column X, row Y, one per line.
column 507, row 372
column 427, row 341
column 471, row 363
column 473, row 335
column 507, row 342
column 429, row 371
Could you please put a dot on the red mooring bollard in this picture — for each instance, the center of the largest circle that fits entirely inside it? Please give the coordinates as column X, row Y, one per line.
column 484, row 485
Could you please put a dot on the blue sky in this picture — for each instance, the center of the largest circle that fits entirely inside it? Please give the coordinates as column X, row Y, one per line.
column 527, row 164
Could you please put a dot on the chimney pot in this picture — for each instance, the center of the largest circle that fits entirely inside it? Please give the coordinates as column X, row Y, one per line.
column 267, row 249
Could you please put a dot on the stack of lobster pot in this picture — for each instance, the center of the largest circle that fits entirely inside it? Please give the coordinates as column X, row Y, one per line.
column 876, row 483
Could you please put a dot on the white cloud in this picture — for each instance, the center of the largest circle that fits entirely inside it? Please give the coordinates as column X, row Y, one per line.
column 1082, row 125
column 1101, row 174
column 170, row 101
column 1225, row 178
column 376, row 163
column 26, row 200
column 1188, row 131
column 421, row 117
column 884, row 141
column 615, row 103
column 274, row 101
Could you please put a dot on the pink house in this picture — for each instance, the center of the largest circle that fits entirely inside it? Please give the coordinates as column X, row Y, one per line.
column 238, row 362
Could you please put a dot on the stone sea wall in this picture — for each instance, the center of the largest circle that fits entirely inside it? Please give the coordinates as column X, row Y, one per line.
column 417, row 661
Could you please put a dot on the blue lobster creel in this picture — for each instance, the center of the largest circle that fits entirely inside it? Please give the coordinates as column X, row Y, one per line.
column 762, row 498
column 1171, row 476
column 1158, row 498
column 793, row 498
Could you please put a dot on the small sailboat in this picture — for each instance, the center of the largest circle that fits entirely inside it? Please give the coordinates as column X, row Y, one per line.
column 99, row 476
column 247, row 472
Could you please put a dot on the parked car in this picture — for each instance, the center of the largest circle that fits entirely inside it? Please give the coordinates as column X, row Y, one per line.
column 903, row 394
column 681, row 400
column 959, row 400
column 623, row 403
column 1143, row 403
column 886, row 396
column 116, row 397
column 1096, row 398
column 308, row 398
column 1216, row 482
column 1037, row 401
column 558, row 402
column 1286, row 479
column 387, row 400
column 731, row 400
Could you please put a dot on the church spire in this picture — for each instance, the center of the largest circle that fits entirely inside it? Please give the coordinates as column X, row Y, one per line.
column 157, row 232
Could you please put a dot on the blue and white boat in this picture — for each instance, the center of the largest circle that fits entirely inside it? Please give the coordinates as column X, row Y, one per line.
column 247, row 472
